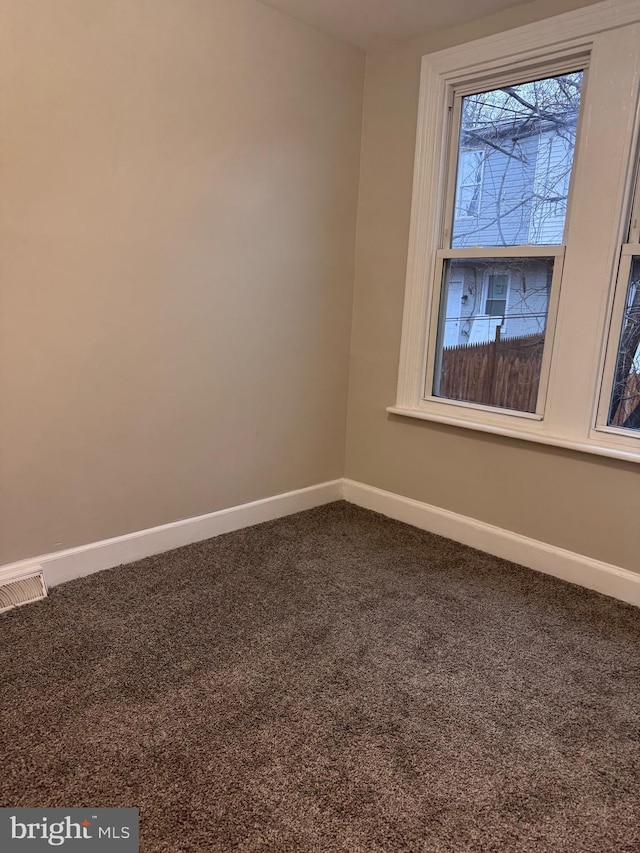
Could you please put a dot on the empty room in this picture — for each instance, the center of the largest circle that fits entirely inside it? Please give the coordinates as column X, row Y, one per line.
column 320, row 426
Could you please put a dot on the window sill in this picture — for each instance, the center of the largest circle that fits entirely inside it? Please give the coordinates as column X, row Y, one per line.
column 511, row 432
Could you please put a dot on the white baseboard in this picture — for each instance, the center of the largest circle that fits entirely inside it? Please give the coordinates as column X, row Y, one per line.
column 62, row 566
column 73, row 563
column 567, row 565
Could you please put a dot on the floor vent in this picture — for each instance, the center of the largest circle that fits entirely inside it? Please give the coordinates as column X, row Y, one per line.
column 17, row 589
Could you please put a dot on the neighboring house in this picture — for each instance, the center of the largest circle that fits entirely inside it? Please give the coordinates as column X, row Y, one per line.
column 511, row 189
column 483, row 297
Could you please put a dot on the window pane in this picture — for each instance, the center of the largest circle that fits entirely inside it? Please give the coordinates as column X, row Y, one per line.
column 625, row 400
column 515, row 154
column 493, row 317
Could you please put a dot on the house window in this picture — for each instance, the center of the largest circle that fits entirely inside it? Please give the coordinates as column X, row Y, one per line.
column 528, row 133
column 496, row 303
column 519, row 125
column 624, row 407
column 620, row 408
column 500, row 314
column 469, row 187
column 514, row 322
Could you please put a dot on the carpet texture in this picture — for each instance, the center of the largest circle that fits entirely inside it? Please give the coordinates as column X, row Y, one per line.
column 331, row 681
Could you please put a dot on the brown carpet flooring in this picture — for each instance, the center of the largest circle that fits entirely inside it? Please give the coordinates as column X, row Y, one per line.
column 332, row 681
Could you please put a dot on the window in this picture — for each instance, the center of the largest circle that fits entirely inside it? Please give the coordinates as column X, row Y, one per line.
column 621, row 393
column 496, row 304
column 528, row 134
column 514, row 322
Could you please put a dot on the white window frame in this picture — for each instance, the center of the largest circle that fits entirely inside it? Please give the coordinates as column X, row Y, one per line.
column 604, row 38
column 432, row 356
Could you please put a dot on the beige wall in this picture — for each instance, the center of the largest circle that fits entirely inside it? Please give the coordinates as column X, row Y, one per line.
column 177, row 220
column 581, row 502
column 178, row 191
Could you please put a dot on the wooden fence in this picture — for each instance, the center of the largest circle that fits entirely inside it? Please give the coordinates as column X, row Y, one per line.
column 504, row 372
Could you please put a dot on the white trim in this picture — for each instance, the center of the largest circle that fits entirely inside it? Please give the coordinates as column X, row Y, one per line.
column 512, row 432
column 84, row 560
column 502, row 252
column 526, row 41
column 62, row 566
column 540, row 556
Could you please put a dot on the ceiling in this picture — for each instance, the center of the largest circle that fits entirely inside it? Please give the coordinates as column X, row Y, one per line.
column 375, row 23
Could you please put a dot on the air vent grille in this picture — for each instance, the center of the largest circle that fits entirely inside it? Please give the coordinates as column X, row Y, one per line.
column 15, row 591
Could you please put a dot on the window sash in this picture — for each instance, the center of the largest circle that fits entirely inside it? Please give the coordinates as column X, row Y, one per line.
column 628, row 252
column 431, row 362
column 551, row 68
column 453, row 132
